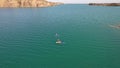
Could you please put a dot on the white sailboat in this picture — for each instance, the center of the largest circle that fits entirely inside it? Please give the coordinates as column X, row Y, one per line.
column 58, row 41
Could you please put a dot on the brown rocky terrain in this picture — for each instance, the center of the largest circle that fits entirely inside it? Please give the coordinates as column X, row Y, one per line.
column 26, row 3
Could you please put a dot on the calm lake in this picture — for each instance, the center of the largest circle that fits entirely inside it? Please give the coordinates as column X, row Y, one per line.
column 27, row 37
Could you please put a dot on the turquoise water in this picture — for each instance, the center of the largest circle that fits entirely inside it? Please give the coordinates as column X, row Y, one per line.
column 27, row 37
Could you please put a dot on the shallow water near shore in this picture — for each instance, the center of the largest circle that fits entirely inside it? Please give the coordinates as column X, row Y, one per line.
column 27, row 37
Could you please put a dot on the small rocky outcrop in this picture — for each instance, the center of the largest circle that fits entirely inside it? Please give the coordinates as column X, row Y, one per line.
column 26, row 3
column 115, row 26
column 105, row 4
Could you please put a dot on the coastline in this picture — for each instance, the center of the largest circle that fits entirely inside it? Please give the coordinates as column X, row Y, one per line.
column 104, row 4
column 27, row 3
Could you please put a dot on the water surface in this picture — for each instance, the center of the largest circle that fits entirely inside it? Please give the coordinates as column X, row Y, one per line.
column 27, row 37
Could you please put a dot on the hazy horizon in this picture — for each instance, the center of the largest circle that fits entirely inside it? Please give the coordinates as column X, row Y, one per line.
column 86, row 1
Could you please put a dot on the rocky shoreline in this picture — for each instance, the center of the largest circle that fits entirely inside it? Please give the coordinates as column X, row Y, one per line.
column 26, row 3
column 105, row 4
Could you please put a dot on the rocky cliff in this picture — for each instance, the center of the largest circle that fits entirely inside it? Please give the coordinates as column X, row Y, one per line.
column 26, row 3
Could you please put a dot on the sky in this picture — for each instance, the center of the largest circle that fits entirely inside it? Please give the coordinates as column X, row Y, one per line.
column 86, row 1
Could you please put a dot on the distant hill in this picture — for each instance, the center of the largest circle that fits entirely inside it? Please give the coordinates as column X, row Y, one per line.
column 105, row 4
column 26, row 3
